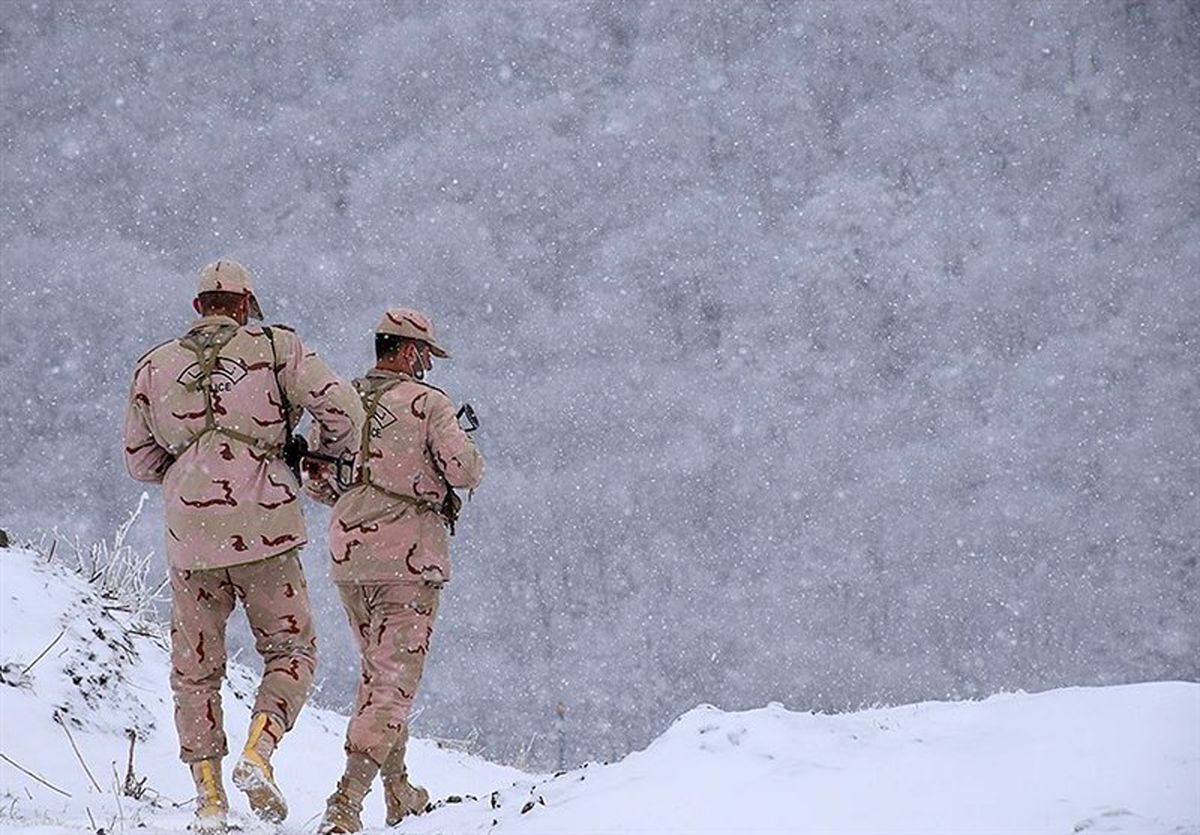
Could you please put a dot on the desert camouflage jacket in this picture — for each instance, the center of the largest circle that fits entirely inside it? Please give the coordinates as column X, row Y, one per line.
column 229, row 497
column 387, row 528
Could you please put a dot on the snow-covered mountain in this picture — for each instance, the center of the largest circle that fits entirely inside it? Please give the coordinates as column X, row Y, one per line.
column 78, row 674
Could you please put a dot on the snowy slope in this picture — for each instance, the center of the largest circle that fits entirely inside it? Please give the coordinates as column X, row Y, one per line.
column 1120, row 759
column 103, row 677
column 1117, row 759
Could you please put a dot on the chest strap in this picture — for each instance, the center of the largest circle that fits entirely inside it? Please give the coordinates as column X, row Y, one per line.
column 371, row 400
column 207, row 351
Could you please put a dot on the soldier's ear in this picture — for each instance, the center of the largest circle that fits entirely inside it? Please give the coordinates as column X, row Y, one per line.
column 196, row 305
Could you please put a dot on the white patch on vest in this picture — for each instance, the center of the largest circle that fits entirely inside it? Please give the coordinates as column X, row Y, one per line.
column 381, row 419
column 230, row 371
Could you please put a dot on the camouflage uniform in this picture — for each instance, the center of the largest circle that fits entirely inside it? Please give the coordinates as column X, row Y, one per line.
column 205, row 419
column 389, row 551
column 275, row 596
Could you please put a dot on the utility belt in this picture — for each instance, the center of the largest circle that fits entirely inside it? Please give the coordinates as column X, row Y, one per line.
column 447, row 511
column 293, row 453
column 272, row 450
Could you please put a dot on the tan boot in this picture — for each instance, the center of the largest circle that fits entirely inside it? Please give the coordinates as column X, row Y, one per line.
column 343, row 809
column 212, row 807
column 403, row 798
column 253, row 773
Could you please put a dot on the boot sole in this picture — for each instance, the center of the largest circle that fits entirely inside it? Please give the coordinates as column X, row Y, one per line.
column 395, row 820
column 335, row 827
column 391, row 820
column 211, row 825
column 264, row 796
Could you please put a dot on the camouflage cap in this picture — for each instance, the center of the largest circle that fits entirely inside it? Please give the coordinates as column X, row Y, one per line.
column 226, row 276
column 411, row 324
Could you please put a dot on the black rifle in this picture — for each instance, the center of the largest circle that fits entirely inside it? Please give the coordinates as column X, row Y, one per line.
column 296, row 450
column 467, row 420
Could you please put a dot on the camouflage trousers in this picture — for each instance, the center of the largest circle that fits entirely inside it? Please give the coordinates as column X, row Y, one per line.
column 275, row 596
column 393, row 625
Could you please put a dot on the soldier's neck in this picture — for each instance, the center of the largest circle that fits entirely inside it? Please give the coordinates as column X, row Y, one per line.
column 394, row 367
column 215, row 319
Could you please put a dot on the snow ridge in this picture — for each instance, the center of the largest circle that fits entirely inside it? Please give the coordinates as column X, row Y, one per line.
column 79, row 677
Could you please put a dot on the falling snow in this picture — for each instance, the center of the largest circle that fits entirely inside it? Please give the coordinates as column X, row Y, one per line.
column 833, row 354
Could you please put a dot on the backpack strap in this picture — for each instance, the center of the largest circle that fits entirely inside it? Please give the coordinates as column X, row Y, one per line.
column 206, row 347
column 207, row 350
column 371, row 399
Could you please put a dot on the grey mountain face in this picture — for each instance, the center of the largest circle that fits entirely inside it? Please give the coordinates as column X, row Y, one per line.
column 828, row 353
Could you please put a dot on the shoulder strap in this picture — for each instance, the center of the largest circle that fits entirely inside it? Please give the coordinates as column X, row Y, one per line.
column 283, row 399
column 370, row 401
column 207, row 350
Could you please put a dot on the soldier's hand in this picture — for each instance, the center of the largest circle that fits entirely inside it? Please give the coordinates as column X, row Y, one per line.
column 319, row 487
column 316, row 470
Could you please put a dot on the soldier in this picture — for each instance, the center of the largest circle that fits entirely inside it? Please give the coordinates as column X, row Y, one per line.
column 208, row 416
column 390, row 556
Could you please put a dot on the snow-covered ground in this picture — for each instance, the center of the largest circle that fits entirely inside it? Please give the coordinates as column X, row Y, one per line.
column 1115, row 759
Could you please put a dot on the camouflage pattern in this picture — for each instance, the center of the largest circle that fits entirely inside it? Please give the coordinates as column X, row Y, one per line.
column 400, row 797
column 393, row 624
column 343, row 809
column 387, row 529
column 229, row 498
column 227, row 276
column 275, row 596
column 411, row 324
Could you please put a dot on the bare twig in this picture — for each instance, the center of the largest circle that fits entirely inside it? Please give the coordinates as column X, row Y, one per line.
column 116, row 785
column 90, row 818
column 121, row 576
column 523, row 756
column 468, row 744
column 78, row 755
column 133, row 787
column 37, row 777
column 42, row 654
column 132, row 734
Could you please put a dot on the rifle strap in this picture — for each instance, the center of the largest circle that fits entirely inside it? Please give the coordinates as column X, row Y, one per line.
column 284, row 406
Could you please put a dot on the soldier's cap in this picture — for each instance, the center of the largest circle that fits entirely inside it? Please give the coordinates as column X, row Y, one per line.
column 411, row 324
column 226, row 276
